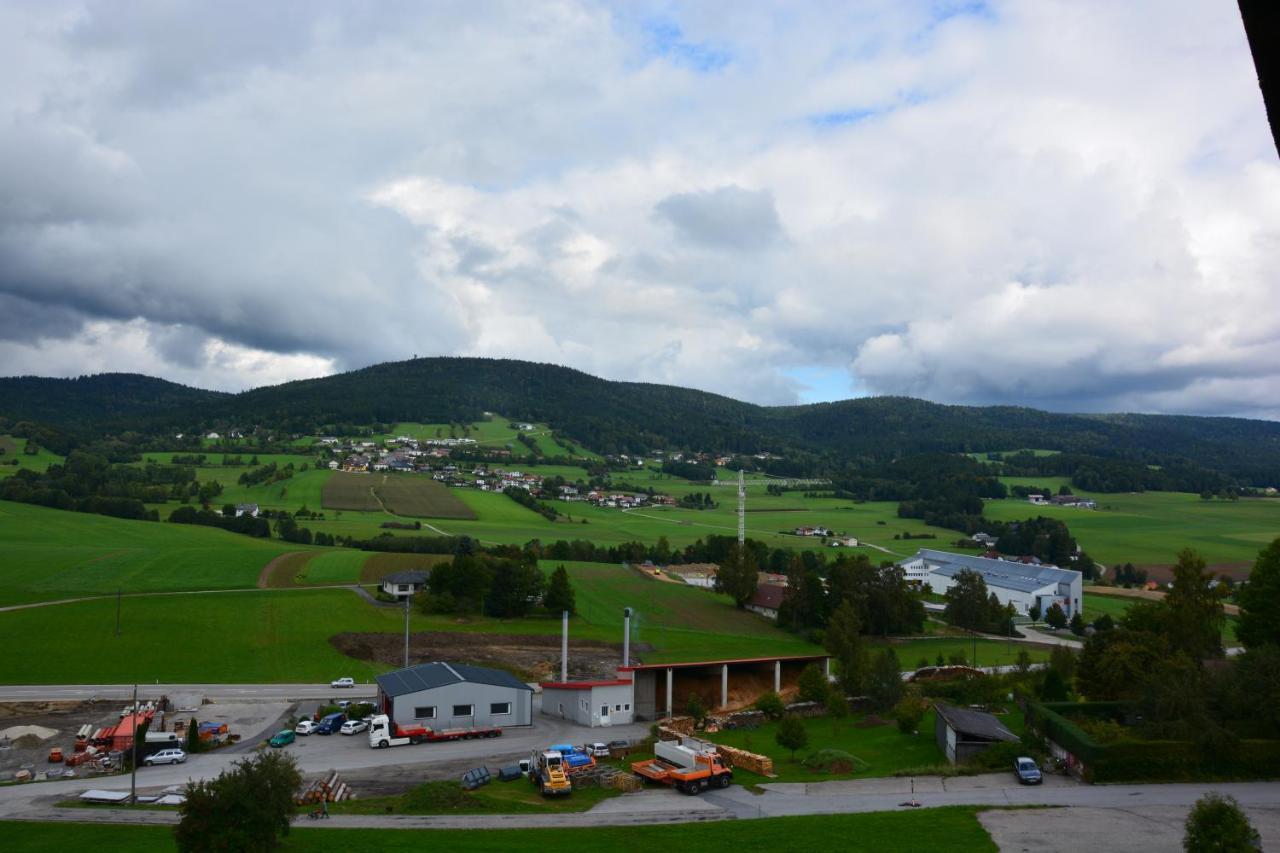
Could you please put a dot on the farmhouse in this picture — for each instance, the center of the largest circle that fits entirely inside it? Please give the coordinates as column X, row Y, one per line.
column 962, row 734
column 1023, row 585
column 403, row 584
column 767, row 600
column 455, row 695
column 246, row 509
column 843, row 542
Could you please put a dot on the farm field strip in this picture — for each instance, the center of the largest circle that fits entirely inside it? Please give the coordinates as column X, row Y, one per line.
column 419, row 496
column 346, row 491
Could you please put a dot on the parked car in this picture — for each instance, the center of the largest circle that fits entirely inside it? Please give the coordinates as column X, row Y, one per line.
column 1028, row 771
column 331, row 723
column 343, row 682
column 597, row 749
column 619, row 744
column 282, row 738
column 351, row 727
column 344, row 704
column 305, row 727
column 165, row 756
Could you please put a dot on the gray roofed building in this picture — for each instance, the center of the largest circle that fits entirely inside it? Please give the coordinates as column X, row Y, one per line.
column 455, row 695
column 1023, row 585
column 962, row 733
column 401, row 584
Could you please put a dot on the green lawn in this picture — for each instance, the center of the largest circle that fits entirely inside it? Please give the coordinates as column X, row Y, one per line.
column 941, row 830
column 1150, row 528
column 883, row 748
column 340, row 566
column 50, row 554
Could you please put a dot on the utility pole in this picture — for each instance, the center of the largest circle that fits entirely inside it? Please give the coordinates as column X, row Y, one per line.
column 133, row 765
column 742, row 508
column 406, row 631
column 117, row 611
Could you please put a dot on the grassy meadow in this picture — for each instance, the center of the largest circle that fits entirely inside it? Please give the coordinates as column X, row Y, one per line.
column 1150, row 528
column 15, row 448
column 50, row 554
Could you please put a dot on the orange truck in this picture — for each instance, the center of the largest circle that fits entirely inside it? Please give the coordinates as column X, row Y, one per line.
column 690, row 765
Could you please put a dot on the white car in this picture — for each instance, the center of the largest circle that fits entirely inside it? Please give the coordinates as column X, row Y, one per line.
column 165, row 756
column 343, row 682
column 599, row 750
column 305, row 727
column 351, row 727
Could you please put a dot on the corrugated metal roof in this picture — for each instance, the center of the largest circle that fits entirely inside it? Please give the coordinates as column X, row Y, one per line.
column 975, row 723
column 1007, row 574
column 428, row 676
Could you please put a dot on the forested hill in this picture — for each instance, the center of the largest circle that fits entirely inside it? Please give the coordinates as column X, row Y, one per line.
column 625, row 416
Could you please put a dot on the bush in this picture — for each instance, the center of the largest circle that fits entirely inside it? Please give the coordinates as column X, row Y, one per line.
column 834, row 761
column 813, row 684
column 909, row 711
column 1217, row 823
column 770, row 704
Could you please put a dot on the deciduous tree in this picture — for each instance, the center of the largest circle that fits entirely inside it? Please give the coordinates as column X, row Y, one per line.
column 791, row 735
column 1260, row 600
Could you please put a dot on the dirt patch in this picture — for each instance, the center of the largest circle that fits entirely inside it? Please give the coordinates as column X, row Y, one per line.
column 282, row 570
column 530, row 658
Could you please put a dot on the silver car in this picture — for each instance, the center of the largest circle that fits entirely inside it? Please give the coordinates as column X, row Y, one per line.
column 165, row 756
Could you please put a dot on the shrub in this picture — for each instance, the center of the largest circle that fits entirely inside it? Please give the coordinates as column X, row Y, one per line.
column 909, row 711
column 834, row 761
column 791, row 735
column 813, row 684
column 770, row 704
column 1217, row 823
column 247, row 807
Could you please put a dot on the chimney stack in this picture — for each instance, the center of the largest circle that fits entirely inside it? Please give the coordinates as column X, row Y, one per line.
column 564, row 646
column 626, row 636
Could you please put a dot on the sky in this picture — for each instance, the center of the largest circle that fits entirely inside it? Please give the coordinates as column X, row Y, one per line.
column 1070, row 205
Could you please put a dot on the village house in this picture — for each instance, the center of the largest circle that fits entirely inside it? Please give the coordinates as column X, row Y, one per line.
column 767, row 600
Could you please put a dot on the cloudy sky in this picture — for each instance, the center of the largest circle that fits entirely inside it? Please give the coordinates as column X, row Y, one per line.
column 1072, row 205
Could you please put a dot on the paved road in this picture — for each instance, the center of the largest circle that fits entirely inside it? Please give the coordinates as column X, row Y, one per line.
column 215, row 692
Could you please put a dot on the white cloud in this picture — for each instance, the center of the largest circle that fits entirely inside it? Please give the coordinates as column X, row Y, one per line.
column 1074, row 205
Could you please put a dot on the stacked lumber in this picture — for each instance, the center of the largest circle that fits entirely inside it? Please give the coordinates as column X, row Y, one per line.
column 679, row 725
column 329, row 789
column 761, row 764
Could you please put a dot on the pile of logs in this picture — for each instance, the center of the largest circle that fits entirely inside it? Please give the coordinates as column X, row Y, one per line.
column 760, row 764
column 606, row 776
column 330, row 789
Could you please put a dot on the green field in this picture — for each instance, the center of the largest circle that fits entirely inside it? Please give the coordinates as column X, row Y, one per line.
column 943, row 830
column 51, row 554
column 15, row 448
column 1150, row 528
column 883, row 748
column 493, row 434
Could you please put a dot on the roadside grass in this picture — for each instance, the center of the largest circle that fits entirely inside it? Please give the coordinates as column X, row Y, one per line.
column 435, row 798
column 1150, row 528
column 48, row 554
column 944, row 830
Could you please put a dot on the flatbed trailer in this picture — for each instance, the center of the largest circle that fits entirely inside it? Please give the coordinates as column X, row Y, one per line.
column 383, row 732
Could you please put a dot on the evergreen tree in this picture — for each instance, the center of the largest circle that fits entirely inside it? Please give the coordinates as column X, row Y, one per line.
column 813, row 685
column 559, row 595
column 884, row 686
column 844, row 641
column 737, row 575
column 1194, row 606
column 1217, row 824
column 1077, row 624
column 1055, row 617
column 1260, row 601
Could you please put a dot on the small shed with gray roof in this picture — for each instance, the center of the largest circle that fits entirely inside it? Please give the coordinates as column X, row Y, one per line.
column 403, row 584
column 455, row 695
column 963, row 733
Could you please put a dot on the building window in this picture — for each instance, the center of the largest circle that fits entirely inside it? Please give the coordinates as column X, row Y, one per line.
column 426, row 712
column 464, row 710
column 499, row 708
column 626, row 706
column 617, row 707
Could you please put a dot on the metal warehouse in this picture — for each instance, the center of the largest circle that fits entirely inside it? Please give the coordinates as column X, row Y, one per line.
column 455, row 695
column 589, row 703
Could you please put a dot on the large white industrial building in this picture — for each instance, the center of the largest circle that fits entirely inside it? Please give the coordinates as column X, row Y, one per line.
column 1023, row 585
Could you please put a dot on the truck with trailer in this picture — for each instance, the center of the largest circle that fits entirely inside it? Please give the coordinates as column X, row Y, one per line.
column 547, row 771
column 384, row 732
column 689, row 764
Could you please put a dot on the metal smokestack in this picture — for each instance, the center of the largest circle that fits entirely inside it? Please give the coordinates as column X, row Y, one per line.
column 564, row 646
column 626, row 636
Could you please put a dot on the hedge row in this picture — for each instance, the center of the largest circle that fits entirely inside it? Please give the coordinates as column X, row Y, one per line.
column 1147, row 760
